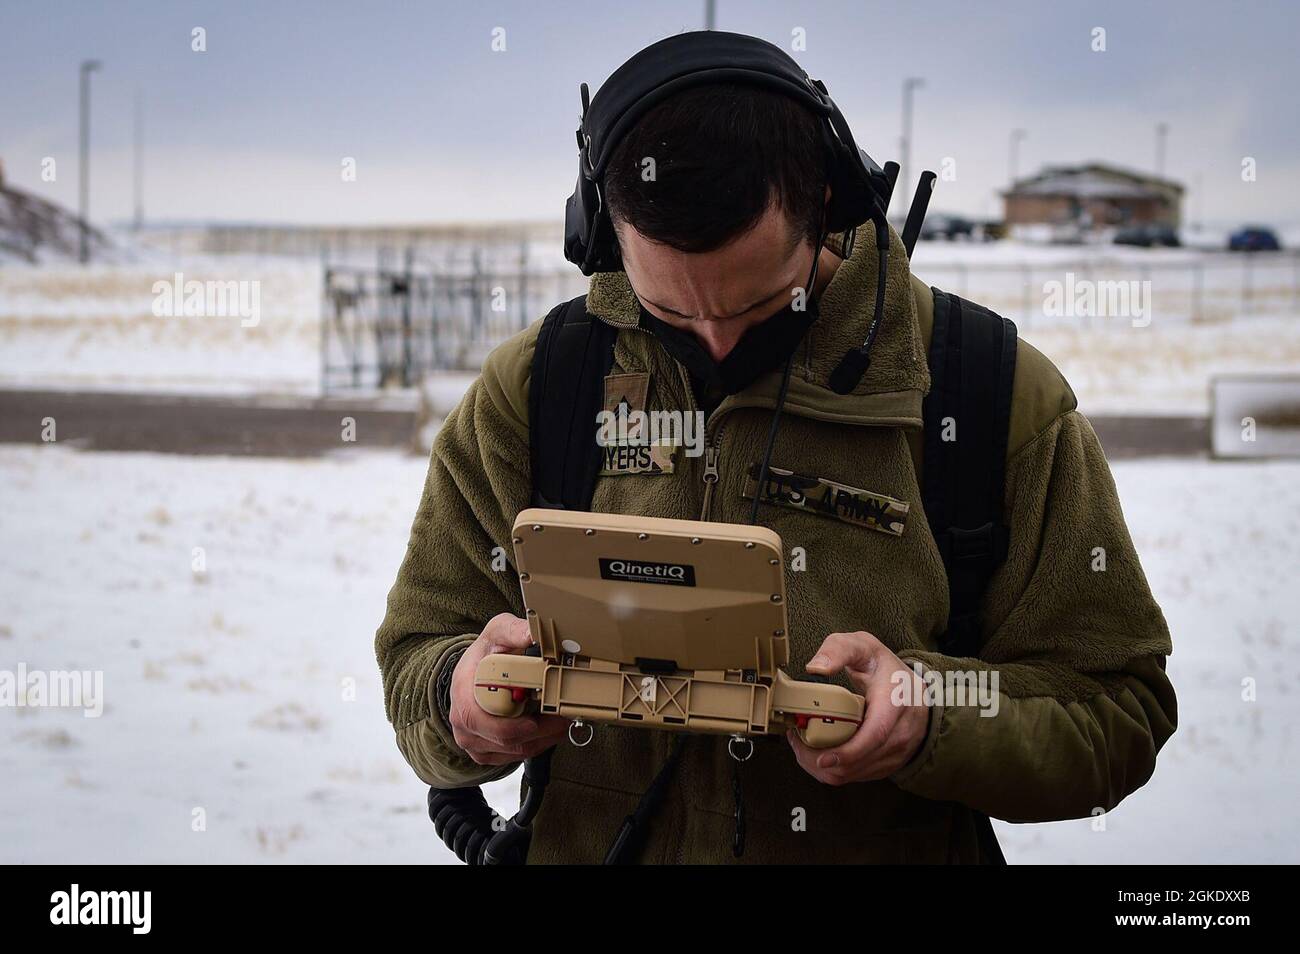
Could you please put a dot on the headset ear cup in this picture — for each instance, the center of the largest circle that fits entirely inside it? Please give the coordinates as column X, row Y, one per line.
column 589, row 239
column 577, row 219
column 861, row 187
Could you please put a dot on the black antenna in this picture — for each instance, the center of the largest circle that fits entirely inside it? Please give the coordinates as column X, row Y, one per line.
column 916, row 214
column 891, row 176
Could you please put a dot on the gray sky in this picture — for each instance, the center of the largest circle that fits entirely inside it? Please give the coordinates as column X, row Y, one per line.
column 443, row 128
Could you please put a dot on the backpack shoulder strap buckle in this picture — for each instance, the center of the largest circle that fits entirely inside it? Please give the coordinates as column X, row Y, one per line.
column 987, row 543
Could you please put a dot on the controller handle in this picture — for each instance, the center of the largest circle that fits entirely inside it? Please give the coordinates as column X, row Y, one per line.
column 506, row 684
column 823, row 715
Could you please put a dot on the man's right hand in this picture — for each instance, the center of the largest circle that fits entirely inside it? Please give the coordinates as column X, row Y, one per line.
column 489, row 739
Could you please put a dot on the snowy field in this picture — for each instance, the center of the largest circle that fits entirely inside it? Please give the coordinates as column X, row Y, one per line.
column 1201, row 313
column 65, row 326
column 250, row 690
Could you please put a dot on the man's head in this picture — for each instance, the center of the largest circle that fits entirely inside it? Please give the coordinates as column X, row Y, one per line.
column 717, row 196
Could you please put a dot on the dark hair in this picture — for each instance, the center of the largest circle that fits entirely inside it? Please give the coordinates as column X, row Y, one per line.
column 723, row 154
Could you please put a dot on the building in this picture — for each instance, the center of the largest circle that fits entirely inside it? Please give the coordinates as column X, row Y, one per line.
column 1093, row 195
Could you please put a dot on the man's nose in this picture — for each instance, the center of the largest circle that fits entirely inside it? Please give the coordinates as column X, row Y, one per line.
column 719, row 336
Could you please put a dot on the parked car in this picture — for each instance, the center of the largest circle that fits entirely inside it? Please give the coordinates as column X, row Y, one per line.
column 1253, row 238
column 1148, row 236
column 947, row 227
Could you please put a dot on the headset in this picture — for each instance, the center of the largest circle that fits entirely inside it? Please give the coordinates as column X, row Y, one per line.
column 860, row 189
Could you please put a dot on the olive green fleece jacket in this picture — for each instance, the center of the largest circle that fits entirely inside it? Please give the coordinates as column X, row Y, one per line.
column 1084, row 704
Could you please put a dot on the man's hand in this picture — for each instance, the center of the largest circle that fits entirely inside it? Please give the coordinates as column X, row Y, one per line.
column 489, row 739
column 890, row 734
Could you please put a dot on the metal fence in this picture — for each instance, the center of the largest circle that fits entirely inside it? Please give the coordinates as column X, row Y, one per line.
column 390, row 325
column 386, row 328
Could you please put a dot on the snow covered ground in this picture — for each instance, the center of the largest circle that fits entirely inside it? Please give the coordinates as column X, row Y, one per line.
column 249, row 690
column 95, row 327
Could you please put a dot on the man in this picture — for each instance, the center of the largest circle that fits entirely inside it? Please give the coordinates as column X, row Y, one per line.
column 716, row 245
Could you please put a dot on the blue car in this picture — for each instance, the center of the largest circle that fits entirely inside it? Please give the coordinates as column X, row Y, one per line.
column 1253, row 238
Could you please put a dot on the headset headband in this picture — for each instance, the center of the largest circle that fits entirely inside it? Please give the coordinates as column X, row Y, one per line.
column 859, row 188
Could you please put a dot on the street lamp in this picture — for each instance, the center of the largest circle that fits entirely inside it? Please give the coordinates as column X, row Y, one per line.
column 138, row 164
column 905, row 141
column 1162, row 133
column 83, row 169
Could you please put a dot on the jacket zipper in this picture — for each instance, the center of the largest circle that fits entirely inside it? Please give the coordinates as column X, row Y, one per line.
column 711, row 454
column 712, row 445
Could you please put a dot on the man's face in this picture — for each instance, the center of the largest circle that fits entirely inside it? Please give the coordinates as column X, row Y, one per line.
column 717, row 296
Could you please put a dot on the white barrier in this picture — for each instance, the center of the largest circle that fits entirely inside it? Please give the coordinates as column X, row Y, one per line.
column 1255, row 415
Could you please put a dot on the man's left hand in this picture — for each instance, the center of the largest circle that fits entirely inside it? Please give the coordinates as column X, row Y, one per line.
column 890, row 733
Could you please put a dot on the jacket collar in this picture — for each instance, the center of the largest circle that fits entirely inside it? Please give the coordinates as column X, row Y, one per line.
column 890, row 392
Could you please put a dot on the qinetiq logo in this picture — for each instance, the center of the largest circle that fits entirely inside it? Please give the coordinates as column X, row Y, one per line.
column 642, row 571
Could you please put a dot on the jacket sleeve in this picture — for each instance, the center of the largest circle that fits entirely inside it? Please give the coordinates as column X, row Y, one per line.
column 458, row 573
column 1077, row 645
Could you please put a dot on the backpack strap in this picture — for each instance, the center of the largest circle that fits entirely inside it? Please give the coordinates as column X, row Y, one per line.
column 967, row 416
column 972, row 367
column 574, row 353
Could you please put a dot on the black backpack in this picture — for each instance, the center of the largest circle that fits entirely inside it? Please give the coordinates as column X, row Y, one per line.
column 972, row 360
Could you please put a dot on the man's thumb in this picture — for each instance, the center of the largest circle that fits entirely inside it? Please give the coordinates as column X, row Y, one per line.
column 508, row 634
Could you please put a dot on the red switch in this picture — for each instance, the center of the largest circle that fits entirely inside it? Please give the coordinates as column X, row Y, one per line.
column 518, row 695
column 801, row 720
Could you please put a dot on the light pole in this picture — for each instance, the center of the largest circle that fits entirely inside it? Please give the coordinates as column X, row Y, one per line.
column 710, row 13
column 905, row 141
column 83, row 169
column 1200, row 204
column 138, row 177
column 1013, row 155
column 1162, row 133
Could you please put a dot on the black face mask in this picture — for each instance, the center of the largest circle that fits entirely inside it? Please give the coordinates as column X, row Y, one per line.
column 763, row 348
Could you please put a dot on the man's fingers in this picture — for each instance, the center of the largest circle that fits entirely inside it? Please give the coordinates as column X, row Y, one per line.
column 507, row 734
column 878, row 724
column 503, row 733
column 507, row 634
column 853, row 651
column 807, row 759
column 867, row 743
column 480, row 747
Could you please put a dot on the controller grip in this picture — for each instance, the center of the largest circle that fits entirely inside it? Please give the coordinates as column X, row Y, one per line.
column 506, row 684
column 824, row 715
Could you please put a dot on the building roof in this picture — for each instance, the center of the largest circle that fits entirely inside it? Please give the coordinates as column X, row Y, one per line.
column 1095, row 180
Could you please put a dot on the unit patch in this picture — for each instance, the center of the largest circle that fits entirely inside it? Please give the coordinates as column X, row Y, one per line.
column 830, row 499
column 629, row 390
column 633, row 453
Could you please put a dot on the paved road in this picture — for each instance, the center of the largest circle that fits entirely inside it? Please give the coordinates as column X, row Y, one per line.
column 296, row 427
column 277, row 427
